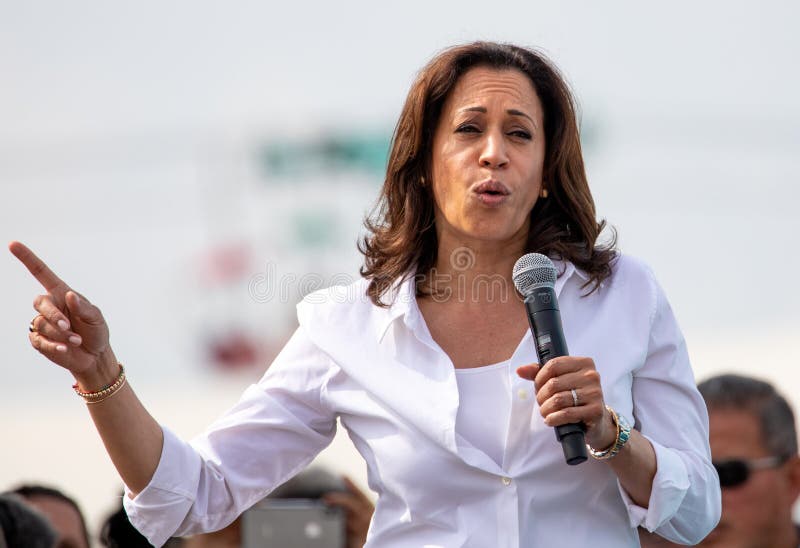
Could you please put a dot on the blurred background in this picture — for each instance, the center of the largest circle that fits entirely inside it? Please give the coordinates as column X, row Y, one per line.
column 194, row 168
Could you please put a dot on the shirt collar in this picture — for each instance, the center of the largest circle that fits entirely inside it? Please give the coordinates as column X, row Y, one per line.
column 565, row 271
column 400, row 295
column 403, row 294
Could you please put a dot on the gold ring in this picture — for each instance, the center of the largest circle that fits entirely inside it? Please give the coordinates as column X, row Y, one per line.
column 31, row 327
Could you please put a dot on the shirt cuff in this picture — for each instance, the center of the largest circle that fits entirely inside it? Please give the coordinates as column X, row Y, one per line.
column 670, row 485
column 160, row 508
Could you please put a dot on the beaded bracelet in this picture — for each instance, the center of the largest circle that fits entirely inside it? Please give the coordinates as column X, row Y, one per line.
column 103, row 393
column 90, row 402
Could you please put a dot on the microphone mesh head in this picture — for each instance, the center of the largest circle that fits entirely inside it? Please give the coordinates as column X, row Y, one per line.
column 533, row 270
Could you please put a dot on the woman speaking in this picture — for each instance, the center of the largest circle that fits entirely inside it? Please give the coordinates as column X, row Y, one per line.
column 428, row 361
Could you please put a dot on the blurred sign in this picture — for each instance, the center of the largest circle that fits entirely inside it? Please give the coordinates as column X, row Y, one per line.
column 366, row 152
column 283, row 218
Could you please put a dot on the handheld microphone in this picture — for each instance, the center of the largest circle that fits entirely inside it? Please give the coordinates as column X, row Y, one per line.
column 535, row 276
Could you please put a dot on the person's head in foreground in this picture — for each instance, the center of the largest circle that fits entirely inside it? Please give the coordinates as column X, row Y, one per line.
column 754, row 448
column 22, row 525
column 62, row 511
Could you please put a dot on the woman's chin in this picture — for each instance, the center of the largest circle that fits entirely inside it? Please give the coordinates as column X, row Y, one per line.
column 492, row 235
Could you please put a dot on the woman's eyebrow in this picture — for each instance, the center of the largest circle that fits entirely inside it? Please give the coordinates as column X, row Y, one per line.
column 474, row 109
column 511, row 111
column 515, row 112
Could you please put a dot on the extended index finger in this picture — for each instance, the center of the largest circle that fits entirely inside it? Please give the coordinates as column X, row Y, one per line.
column 52, row 283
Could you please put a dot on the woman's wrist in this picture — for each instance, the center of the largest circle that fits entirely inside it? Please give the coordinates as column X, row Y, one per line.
column 104, row 374
column 608, row 432
column 623, row 433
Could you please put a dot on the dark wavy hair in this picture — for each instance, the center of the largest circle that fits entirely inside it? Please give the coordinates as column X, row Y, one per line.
column 401, row 237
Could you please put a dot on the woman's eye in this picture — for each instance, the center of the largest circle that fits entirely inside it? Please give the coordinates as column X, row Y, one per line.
column 522, row 134
column 467, row 128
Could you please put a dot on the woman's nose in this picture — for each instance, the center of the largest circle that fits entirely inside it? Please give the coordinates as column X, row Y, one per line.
column 493, row 154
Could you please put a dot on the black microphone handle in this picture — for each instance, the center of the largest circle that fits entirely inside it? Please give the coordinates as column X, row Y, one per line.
column 548, row 336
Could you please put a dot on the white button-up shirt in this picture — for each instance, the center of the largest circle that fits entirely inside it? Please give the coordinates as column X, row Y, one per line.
column 393, row 388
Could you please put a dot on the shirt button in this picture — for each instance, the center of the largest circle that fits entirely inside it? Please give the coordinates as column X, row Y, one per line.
column 522, row 394
column 506, row 481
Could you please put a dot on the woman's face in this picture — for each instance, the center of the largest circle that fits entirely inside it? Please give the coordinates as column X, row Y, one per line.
column 488, row 156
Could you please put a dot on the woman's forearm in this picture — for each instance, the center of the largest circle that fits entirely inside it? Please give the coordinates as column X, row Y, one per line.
column 635, row 467
column 130, row 434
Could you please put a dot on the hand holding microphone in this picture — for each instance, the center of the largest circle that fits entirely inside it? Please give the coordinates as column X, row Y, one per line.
column 567, row 388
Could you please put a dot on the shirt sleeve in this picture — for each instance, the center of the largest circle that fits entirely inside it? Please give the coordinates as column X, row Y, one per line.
column 277, row 427
column 685, row 501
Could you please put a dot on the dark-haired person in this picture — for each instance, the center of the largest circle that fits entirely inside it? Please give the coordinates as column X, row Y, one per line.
column 21, row 525
column 61, row 510
column 428, row 360
column 754, row 447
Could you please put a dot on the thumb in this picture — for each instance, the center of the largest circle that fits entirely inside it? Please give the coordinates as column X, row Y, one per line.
column 528, row 372
column 82, row 309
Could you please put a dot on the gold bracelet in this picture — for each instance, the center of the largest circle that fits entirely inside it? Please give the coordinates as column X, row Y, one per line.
column 103, row 393
column 91, row 402
column 623, row 434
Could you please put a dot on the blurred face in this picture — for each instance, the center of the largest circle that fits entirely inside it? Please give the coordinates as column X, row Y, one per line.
column 64, row 518
column 488, row 156
column 757, row 513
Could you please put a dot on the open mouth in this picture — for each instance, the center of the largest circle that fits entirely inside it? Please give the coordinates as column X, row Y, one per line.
column 492, row 188
column 491, row 193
